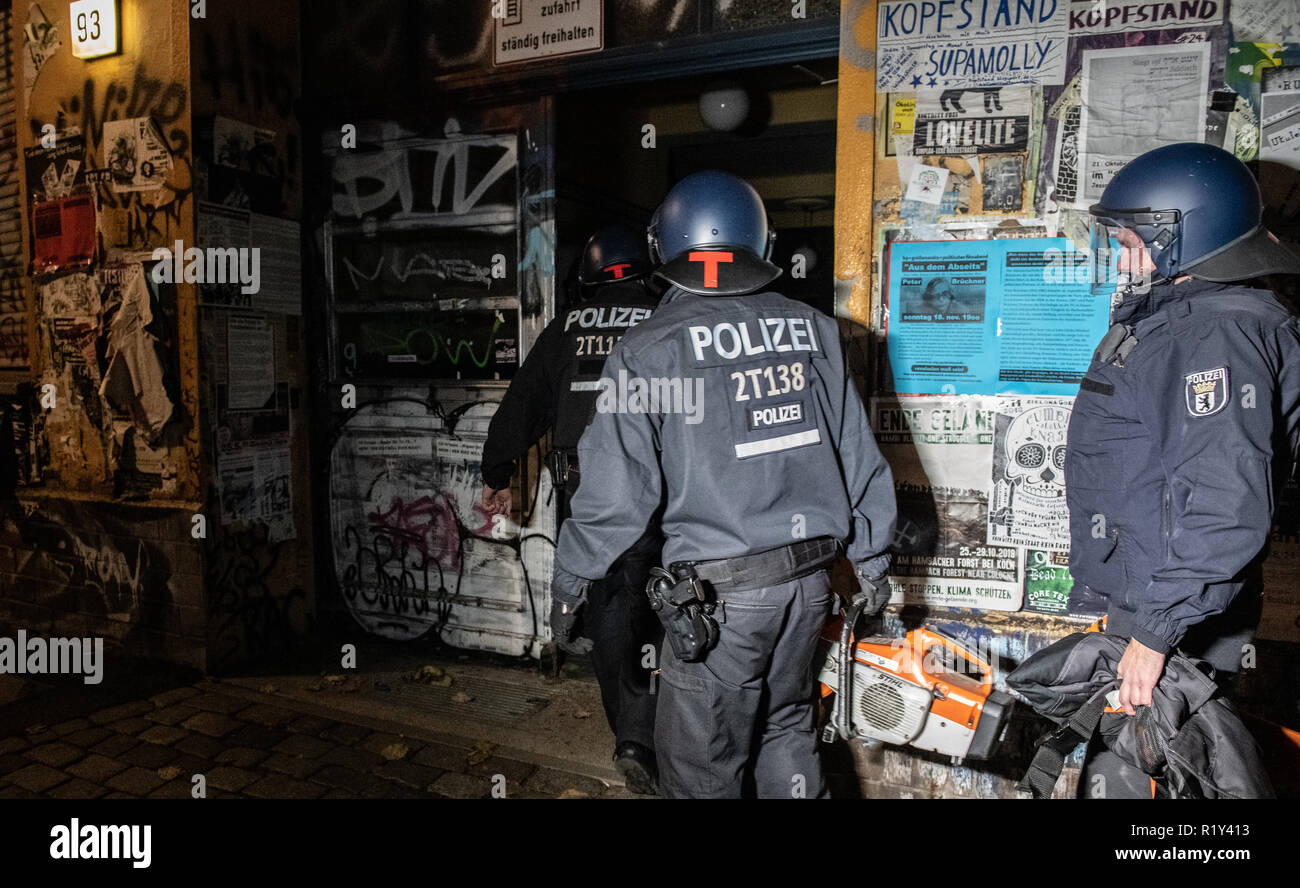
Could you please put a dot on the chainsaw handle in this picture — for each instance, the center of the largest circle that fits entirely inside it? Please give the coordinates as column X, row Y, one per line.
column 933, row 638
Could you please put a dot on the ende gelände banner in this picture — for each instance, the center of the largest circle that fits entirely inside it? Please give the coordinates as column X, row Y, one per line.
column 970, row 44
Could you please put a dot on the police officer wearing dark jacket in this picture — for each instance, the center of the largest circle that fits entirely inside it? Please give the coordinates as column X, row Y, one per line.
column 732, row 404
column 556, row 389
column 1185, row 424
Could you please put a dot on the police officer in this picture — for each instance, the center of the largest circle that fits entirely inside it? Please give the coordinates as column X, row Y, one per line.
column 1185, row 424
column 766, row 464
column 556, row 389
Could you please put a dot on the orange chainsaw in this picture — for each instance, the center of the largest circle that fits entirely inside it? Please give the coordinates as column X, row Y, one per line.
column 926, row 690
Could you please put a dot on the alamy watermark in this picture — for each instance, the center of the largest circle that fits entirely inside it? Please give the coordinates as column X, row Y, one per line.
column 658, row 394
column 210, row 265
column 34, row 655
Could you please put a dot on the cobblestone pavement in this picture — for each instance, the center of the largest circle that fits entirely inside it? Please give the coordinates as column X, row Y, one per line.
column 248, row 744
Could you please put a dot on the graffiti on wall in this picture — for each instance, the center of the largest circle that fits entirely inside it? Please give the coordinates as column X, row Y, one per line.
column 136, row 219
column 410, row 537
column 431, row 222
column 254, row 613
column 84, row 561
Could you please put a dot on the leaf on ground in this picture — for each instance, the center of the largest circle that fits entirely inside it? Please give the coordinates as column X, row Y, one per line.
column 395, row 751
column 480, row 752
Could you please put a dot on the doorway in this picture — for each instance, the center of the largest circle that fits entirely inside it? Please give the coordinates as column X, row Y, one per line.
column 618, row 150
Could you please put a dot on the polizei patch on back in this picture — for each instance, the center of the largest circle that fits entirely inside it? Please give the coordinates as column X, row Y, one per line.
column 1207, row 391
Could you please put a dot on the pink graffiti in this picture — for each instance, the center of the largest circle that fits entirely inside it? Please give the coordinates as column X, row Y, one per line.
column 429, row 524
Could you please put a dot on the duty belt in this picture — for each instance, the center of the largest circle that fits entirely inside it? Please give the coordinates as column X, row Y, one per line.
column 769, row 568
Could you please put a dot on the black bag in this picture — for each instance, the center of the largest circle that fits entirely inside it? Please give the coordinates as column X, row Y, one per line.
column 1189, row 740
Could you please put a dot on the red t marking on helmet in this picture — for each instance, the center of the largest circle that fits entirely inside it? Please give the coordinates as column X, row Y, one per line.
column 618, row 269
column 710, row 259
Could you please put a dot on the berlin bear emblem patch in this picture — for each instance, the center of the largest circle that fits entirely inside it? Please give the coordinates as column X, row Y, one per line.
column 1207, row 391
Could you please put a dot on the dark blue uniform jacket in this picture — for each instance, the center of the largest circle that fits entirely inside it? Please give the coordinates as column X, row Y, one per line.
column 758, row 439
column 1178, row 447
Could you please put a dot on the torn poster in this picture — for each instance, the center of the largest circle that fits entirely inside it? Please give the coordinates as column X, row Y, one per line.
column 55, row 172
column 242, row 146
column 1111, row 17
column 223, row 228
column 135, row 154
column 1027, row 488
column 994, row 120
column 73, row 295
column 63, row 233
column 940, row 453
column 250, row 357
column 40, row 41
column 1265, row 20
column 255, row 486
column 1119, row 121
column 967, row 45
column 135, row 383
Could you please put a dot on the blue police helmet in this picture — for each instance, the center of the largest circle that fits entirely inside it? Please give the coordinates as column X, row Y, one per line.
column 1198, row 210
column 712, row 237
column 613, row 253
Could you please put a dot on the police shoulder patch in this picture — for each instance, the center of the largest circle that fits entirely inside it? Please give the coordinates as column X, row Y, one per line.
column 1206, row 391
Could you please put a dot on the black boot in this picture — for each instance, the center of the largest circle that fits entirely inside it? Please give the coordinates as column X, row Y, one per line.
column 637, row 765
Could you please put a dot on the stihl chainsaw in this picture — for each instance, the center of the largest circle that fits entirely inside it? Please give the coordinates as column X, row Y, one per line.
column 926, row 690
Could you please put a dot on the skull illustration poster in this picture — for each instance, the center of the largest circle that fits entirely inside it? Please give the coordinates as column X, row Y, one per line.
column 939, row 450
column 1027, row 488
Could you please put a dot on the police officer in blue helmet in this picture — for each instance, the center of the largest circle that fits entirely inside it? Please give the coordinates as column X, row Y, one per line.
column 733, row 407
column 555, row 390
column 1185, row 425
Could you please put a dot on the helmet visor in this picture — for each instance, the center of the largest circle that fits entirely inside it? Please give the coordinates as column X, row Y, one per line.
column 1132, row 249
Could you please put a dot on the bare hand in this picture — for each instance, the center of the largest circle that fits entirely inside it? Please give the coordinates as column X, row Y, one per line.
column 496, row 502
column 1139, row 670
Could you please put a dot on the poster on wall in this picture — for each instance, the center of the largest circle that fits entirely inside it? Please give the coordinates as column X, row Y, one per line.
column 966, row 122
column 940, row 451
column 135, row 154
column 1279, row 145
column 255, row 486
column 1027, row 487
column 1047, row 582
column 971, row 45
column 56, row 171
column 1010, row 316
column 63, row 232
column 1118, row 121
column 1117, row 17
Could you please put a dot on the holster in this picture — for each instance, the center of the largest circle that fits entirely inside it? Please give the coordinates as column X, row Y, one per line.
column 685, row 609
column 563, row 467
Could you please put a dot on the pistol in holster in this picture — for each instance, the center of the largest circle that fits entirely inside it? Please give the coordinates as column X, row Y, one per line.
column 686, row 610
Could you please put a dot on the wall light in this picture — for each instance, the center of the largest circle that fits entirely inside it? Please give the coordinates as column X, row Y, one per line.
column 94, row 28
